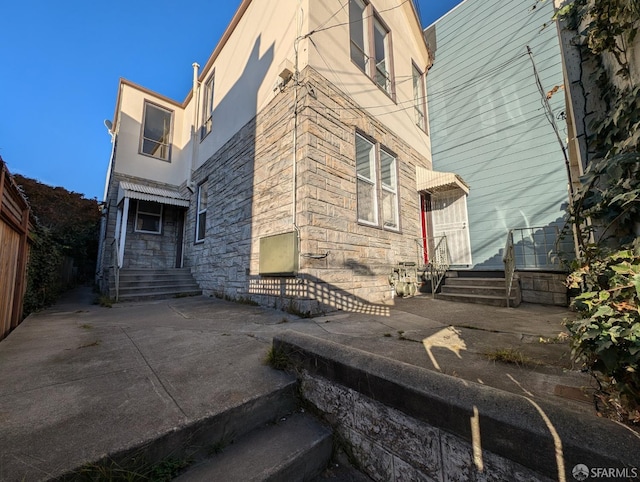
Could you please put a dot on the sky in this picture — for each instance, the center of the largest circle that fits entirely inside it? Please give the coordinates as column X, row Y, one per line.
column 60, row 64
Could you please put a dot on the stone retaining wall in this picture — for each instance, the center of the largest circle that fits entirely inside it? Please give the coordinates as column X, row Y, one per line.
column 543, row 288
column 401, row 422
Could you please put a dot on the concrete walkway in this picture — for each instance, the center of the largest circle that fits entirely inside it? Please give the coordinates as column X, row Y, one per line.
column 80, row 381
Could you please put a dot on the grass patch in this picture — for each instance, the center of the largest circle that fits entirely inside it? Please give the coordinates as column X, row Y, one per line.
column 277, row 359
column 132, row 469
column 104, row 301
column 510, row 356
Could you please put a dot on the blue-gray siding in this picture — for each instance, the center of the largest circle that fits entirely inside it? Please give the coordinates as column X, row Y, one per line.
column 487, row 118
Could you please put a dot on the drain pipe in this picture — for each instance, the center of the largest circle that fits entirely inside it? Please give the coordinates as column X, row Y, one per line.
column 194, row 130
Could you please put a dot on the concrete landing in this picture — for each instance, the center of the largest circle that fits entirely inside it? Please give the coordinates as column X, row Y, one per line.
column 79, row 382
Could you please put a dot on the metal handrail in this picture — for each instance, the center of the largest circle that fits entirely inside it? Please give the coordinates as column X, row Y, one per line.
column 439, row 264
column 509, row 260
column 116, row 267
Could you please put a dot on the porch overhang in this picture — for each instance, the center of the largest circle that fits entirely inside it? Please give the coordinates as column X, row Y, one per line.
column 148, row 193
column 437, row 181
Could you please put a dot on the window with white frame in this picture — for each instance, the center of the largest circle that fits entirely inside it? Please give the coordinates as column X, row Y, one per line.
column 156, row 132
column 370, row 43
column 207, row 107
column 149, row 217
column 389, row 185
column 377, row 185
column 367, row 185
column 419, row 98
column 201, row 213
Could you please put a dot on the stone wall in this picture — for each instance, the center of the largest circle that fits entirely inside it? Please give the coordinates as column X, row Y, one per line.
column 343, row 264
column 543, row 288
column 141, row 250
column 401, row 422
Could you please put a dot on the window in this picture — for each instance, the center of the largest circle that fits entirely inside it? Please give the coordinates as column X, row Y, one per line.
column 370, row 40
column 156, row 132
column 366, row 173
column 389, row 182
column 376, row 200
column 201, row 213
column 419, row 98
column 149, row 217
column 207, row 108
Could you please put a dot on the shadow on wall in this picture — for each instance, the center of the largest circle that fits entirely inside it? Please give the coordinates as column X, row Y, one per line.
column 219, row 262
column 307, row 295
column 539, row 247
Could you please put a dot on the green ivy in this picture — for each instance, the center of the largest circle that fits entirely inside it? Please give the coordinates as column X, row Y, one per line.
column 607, row 337
column 43, row 286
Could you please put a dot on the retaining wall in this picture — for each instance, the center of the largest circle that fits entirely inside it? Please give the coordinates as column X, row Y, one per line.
column 401, row 422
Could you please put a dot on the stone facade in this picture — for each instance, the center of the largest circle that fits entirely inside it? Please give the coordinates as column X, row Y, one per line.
column 343, row 264
column 543, row 288
column 391, row 446
column 142, row 250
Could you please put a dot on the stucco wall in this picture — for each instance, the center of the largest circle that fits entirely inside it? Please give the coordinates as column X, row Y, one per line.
column 129, row 160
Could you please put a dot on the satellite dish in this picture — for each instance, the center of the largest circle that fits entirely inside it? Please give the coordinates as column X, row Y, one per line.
column 108, row 124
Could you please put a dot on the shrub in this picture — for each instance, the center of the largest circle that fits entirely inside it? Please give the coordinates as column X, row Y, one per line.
column 606, row 339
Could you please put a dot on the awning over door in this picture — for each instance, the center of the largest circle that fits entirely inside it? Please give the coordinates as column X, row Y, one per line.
column 437, row 181
column 148, row 193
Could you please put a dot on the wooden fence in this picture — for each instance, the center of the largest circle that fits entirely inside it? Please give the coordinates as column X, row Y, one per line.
column 14, row 251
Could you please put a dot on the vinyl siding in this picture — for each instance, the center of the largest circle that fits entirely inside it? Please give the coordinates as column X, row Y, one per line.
column 487, row 118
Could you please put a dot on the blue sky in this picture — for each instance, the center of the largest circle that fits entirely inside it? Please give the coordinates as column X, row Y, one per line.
column 60, row 63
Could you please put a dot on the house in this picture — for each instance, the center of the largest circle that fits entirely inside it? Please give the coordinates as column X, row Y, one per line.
column 289, row 174
column 496, row 99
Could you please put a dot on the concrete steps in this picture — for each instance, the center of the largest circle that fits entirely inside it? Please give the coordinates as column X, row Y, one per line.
column 486, row 291
column 295, row 448
column 138, row 284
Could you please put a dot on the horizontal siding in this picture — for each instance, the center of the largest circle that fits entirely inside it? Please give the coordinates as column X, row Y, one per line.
column 488, row 122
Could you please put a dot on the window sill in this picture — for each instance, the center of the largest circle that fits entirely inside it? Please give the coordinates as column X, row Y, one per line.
column 155, row 157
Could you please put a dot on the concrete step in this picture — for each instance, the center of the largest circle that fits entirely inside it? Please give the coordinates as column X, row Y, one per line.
column 473, row 290
column 296, row 448
column 479, row 299
column 463, row 281
column 140, row 284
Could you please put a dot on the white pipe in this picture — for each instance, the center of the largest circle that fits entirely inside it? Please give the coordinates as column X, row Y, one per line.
column 194, row 127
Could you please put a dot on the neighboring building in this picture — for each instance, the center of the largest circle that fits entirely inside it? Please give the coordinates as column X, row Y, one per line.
column 492, row 104
column 289, row 173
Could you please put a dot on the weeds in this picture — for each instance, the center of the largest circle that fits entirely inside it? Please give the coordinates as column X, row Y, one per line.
column 104, row 301
column 510, row 356
column 277, row 359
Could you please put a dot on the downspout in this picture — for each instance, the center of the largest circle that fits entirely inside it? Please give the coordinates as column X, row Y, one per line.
column 194, row 130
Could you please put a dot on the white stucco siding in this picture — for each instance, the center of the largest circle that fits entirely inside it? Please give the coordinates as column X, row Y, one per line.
column 129, row 159
column 329, row 54
column 247, row 67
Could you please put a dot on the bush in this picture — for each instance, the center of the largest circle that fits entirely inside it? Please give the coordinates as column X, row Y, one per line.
column 607, row 337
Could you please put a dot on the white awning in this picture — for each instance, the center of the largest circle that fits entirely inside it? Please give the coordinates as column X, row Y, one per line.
column 148, row 193
column 436, row 181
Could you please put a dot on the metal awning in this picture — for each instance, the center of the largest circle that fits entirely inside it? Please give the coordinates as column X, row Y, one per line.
column 148, row 193
column 436, row 181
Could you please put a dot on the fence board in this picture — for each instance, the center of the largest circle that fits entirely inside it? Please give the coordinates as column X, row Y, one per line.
column 14, row 251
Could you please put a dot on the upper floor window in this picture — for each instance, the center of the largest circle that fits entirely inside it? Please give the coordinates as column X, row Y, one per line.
column 156, row 132
column 149, row 217
column 419, row 98
column 370, row 43
column 207, row 108
column 201, row 213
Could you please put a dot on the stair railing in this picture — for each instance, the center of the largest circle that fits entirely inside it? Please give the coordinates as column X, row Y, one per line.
column 116, row 268
column 509, row 260
column 439, row 263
